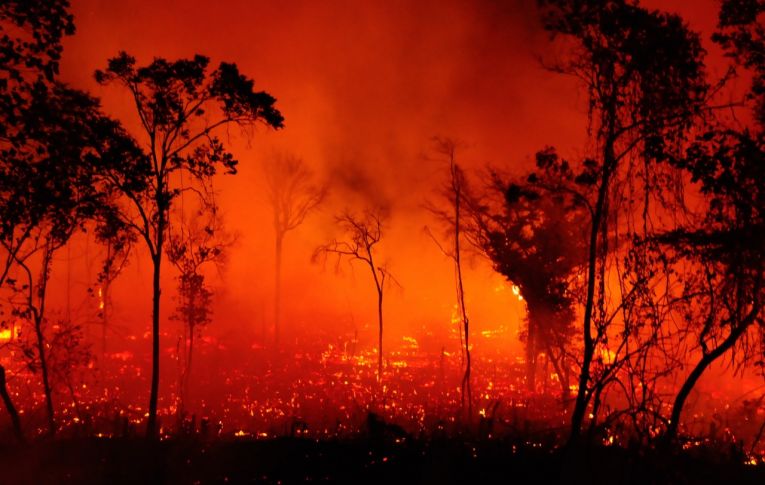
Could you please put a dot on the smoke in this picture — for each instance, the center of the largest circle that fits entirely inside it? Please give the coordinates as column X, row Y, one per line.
column 364, row 86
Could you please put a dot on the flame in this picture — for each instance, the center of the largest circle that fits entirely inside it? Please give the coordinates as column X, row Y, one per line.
column 456, row 317
column 606, row 355
column 8, row 334
column 516, row 291
column 412, row 342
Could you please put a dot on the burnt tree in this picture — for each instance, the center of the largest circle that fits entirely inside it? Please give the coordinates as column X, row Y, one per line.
column 181, row 105
column 456, row 194
column 293, row 195
column 637, row 109
column 363, row 233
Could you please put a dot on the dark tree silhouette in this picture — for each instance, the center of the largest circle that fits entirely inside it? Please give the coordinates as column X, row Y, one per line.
column 456, row 194
column 49, row 190
column 181, row 105
column 620, row 52
column 51, row 138
column 728, row 165
column 293, row 195
column 536, row 239
column 362, row 236
column 10, row 407
column 30, row 50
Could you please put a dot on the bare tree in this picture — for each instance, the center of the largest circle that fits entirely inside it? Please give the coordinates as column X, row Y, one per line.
column 456, row 192
column 293, row 195
column 362, row 233
column 181, row 106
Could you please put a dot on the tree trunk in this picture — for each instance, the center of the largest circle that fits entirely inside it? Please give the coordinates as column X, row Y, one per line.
column 380, row 334
column 189, row 360
column 582, row 397
column 467, row 392
column 693, row 377
column 278, row 287
column 9, row 406
column 531, row 356
column 45, row 377
column 151, row 424
column 562, row 376
column 457, row 188
column 104, row 315
column 38, row 315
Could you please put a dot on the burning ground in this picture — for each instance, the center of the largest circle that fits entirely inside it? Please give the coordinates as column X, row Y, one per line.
column 353, row 242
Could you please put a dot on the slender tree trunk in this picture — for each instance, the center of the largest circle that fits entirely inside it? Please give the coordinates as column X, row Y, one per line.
column 104, row 314
column 9, row 406
column 466, row 388
column 380, row 334
column 582, row 396
column 693, row 377
column 577, row 417
column 278, row 286
column 467, row 392
column 38, row 317
column 163, row 205
column 562, row 376
column 531, row 356
column 151, row 424
column 189, row 360
column 45, row 377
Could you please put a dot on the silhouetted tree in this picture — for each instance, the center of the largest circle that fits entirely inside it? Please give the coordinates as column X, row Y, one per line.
column 637, row 107
column 728, row 164
column 456, row 194
column 49, row 190
column 180, row 105
column 536, row 239
column 51, row 140
column 293, row 195
column 10, row 407
column 30, row 50
column 362, row 235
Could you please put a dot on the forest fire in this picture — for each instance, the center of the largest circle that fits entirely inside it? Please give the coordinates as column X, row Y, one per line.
column 440, row 242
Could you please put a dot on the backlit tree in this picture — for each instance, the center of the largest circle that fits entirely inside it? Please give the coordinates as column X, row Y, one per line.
column 181, row 106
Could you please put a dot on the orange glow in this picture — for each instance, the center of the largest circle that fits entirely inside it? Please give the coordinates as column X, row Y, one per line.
column 364, row 87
